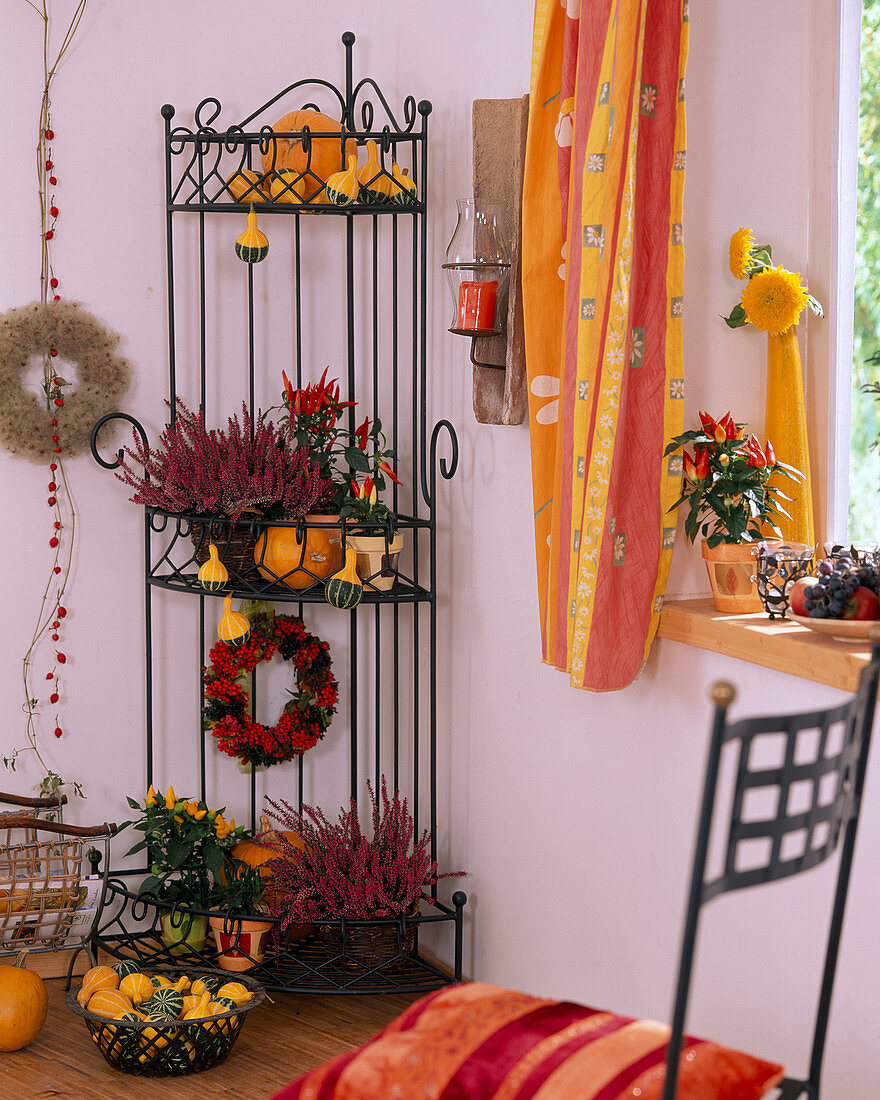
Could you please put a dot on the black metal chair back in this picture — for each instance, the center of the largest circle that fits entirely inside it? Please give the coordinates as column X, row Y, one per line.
column 788, row 813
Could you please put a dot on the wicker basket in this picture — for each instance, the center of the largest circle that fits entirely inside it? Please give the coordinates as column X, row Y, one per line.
column 42, row 865
column 154, row 1049
column 235, row 542
column 371, row 943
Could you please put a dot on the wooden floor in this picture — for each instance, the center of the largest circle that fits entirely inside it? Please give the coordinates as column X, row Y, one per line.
column 279, row 1041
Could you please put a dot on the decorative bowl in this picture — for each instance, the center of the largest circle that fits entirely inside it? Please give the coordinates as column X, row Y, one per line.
column 154, row 1049
column 844, row 630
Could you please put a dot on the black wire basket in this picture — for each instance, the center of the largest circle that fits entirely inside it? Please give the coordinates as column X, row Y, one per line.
column 174, row 1047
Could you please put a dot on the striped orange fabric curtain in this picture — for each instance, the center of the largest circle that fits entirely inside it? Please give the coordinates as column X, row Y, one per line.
column 603, row 261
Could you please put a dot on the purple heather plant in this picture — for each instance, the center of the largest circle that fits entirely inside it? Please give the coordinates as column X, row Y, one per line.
column 247, row 465
column 339, row 872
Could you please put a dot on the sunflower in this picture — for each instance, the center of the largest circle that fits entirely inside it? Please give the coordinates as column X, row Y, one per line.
column 740, row 249
column 773, row 299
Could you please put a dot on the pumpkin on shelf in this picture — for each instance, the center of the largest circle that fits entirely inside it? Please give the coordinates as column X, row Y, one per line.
column 343, row 187
column 260, row 849
column 245, row 186
column 213, row 575
column 233, row 627
column 252, row 246
column 344, row 589
column 282, row 556
column 325, row 155
column 376, row 185
column 24, row 1003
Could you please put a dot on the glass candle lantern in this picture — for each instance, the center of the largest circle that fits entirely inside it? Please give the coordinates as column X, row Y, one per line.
column 478, row 269
column 779, row 565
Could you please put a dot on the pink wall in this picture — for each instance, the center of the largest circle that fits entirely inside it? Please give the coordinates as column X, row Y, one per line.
column 572, row 812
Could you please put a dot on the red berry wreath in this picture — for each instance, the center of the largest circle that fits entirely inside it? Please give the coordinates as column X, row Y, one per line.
column 306, row 715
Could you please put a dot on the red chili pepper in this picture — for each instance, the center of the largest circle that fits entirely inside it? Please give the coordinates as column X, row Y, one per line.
column 701, row 463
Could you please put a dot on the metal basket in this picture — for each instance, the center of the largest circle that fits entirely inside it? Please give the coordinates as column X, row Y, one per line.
column 42, row 867
column 169, row 1049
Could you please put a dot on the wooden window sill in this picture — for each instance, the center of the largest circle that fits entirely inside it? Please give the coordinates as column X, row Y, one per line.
column 778, row 643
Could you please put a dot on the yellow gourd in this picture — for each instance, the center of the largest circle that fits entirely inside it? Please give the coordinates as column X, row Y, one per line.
column 245, row 186
column 213, row 574
column 344, row 589
column 235, row 991
column 286, row 186
column 233, row 627
column 137, row 987
column 376, row 185
column 251, row 247
column 99, row 977
column 404, row 193
column 343, row 187
column 109, row 1002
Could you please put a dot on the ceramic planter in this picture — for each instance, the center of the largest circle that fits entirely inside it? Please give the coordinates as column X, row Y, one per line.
column 732, row 568
column 377, row 559
column 183, row 933
column 241, row 942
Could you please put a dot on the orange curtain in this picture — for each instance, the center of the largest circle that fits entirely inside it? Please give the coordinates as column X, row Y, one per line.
column 603, row 260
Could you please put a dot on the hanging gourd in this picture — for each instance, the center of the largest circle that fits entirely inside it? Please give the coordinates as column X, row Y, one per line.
column 23, row 1004
column 376, row 185
column 343, row 187
column 287, row 186
column 213, row 574
column 233, row 627
column 251, row 247
column 344, row 589
column 404, row 193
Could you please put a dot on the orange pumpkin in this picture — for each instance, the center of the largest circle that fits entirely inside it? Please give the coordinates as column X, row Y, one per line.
column 256, row 854
column 279, row 552
column 24, row 1003
column 326, row 156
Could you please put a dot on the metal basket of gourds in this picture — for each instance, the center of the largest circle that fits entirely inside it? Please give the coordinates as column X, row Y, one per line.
column 185, row 1022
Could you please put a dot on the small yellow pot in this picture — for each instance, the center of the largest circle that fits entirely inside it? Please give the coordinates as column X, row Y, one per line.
column 732, row 568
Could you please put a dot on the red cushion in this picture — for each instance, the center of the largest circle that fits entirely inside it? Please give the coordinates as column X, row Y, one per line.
column 479, row 1042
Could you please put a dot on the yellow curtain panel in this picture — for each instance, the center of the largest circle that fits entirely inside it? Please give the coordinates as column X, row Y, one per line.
column 603, row 262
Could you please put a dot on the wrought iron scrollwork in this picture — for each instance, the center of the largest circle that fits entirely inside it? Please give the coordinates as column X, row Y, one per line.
column 447, row 469
column 138, row 427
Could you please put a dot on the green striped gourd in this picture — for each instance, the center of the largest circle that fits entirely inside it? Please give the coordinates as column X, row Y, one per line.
column 165, row 1004
column 342, row 187
column 344, row 589
column 376, row 185
column 404, row 193
column 126, row 967
column 233, row 627
column 252, row 246
column 213, row 575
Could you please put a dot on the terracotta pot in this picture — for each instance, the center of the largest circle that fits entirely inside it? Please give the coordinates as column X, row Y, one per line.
column 183, row 933
column 241, row 942
column 732, row 568
column 377, row 559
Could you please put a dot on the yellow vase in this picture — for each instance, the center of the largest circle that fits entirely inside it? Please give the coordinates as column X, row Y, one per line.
column 786, row 429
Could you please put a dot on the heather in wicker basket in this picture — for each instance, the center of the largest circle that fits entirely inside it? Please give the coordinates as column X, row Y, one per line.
column 246, row 466
column 340, row 873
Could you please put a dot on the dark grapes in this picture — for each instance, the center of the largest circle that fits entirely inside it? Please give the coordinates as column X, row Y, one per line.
column 837, row 580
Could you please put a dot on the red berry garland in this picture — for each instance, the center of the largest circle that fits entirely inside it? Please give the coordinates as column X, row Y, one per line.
column 305, row 716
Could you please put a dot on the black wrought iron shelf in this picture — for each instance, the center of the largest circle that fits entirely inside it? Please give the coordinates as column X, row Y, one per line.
column 392, row 722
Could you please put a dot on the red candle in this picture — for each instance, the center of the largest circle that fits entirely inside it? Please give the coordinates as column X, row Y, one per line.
column 476, row 306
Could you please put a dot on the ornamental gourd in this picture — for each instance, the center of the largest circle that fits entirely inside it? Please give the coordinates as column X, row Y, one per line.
column 343, row 187
column 286, row 186
column 325, row 156
column 24, row 1003
column 233, row 627
column 344, row 589
column 213, row 575
column 99, row 977
column 236, row 992
column 109, row 1002
column 165, row 1004
column 137, row 987
column 126, row 967
column 245, row 186
column 376, row 185
column 251, row 247
column 405, row 192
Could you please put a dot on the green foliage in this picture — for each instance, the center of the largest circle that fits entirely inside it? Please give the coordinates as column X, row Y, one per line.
column 865, row 422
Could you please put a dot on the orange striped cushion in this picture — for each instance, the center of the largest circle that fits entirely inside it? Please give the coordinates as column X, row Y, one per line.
column 479, row 1042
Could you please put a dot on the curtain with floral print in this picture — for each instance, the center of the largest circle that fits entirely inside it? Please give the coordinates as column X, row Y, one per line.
column 603, row 260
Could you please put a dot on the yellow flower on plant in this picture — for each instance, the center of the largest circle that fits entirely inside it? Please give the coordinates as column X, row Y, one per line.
column 774, row 299
column 740, row 248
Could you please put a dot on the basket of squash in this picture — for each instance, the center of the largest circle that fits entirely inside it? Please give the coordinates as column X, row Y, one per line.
column 163, row 1022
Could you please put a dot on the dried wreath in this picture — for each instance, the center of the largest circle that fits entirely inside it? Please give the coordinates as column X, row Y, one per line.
column 305, row 716
column 27, row 427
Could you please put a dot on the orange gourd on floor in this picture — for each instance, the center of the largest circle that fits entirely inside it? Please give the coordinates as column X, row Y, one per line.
column 24, row 1003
